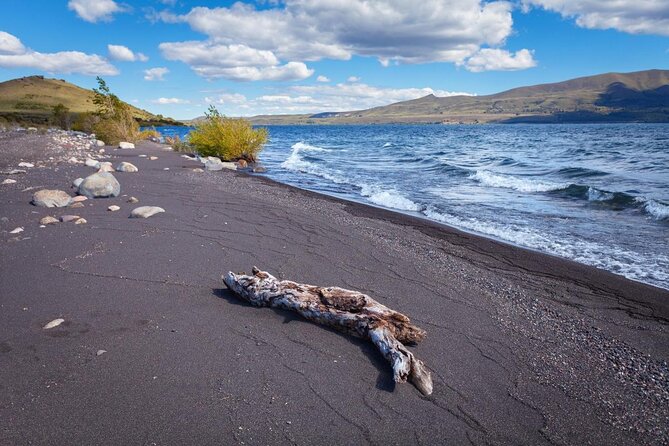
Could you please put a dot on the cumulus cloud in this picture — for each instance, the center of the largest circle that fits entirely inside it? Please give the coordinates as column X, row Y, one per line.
column 13, row 54
column 95, row 10
column 353, row 79
column 169, row 101
column 322, row 78
column 125, row 54
column 226, row 99
column 237, row 62
column 489, row 59
column 155, row 74
column 631, row 16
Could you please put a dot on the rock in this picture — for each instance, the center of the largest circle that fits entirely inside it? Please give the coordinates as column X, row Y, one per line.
column 133, row 200
column 126, row 145
column 101, row 151
column 100, row 185
column 69, row 218
column 145, row 211
column 92, row 163
column 73, row 160
column 77, row 182
column 105, row 167
column 168, row 148
column 9, row 181
column 242, row 164
column 197, row 169
column 16, row 231
column 49, row 220
column 188, row 157
column 153, row 158
column 78, row 204
column 53, row 324
column 113, row 208
column 32, row 129
column 142, row 156
column 126, row 167
column 79, row 198
column 100, row 352
column 51, row 198
column 99, row 143
column 166, row 168
column 24, row 164
column 15, row 172
column 81, row 221
column 213, row 166
column 259, row 169
column 230, row 166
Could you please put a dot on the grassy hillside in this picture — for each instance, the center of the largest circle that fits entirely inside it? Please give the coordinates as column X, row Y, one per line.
column 31, row 100
column 640, row 96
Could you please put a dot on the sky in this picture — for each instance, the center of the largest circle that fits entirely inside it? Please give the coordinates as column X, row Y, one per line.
column 178, row 57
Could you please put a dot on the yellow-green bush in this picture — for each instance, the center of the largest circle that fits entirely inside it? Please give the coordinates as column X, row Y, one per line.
column 149, row 134
column 227, row 138
column 115, row 120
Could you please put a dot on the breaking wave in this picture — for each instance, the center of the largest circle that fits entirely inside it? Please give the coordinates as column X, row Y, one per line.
column 510, row 182
column 389, row 198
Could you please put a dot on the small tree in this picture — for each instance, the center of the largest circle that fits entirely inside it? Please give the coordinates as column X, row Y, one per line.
column 227, row 138
column 62, row 117
column 116, row 122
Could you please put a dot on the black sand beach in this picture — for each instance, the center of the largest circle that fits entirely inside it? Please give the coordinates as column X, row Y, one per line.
column 524, row 348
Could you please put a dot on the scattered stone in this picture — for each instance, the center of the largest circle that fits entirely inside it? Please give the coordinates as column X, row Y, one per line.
column 105, row 167
column 78, row 204
column 168, row 148
column 16, row 231
column 113, row 208
column 81, row 221
column 153, row 158
column 133, row 200
column 188, row 157
column 24, row 164
column 142, row 156
column 42, row 226
column 126, row 145
column 100, row 185
column 92, row 163
column 100, row 352
column 242, row 164
column 73, row 160
column 101, row 151
column 69, row 218
column 9, row 181
column 166, row 168
column 145, row 211
column 77, row 182
column 99, row 143
column 53, row 324
column 197, row 169
column 32, row 129
column 15, row 172
column 79, row 198
column 126, row 167
column 259, row 169
column 213, row 166
column 51, row 198
column 49, row 220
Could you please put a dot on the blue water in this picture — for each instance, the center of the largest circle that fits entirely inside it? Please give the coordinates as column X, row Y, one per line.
column 597, row 194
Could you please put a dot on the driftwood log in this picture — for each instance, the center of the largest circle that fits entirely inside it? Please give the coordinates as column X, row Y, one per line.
column 344, row 310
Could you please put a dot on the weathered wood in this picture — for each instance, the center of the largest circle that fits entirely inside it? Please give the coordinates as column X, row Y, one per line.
column 345, row 310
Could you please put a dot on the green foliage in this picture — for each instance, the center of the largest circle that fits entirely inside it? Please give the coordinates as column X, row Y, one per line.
column 85, row 122
column 228, row 138
column 149, row 134
column 178, row 145
column 62, row 117
column 115, row 121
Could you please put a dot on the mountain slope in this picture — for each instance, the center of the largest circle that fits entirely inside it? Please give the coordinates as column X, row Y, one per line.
column 639, row 96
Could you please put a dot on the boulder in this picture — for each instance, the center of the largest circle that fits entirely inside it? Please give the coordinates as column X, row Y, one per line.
column 100, row 185
column 51, row 198
column 126, row 167
column 126, row 145
column 145, row 211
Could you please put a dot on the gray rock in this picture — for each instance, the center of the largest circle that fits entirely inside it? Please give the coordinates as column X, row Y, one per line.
column 9, row 181
column 51, row 198
column 92, row 163
column 48, row 220
column 100, row 352
column 213, row 166
column 145, row 211
column 126, row 145
column 69, row 218
column 100, row 185
column 126, row 167
column 99, row 143
column 105, row 167
column 78, row 204
column 54, row 323
column 133, row 200
column 259, row 169
column 77, row 182
column 113, row 208
column 24, row 164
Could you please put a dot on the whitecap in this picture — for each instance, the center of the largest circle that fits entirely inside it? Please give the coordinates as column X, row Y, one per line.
column 389, row 198
column 510, row 182
column 657, row 210
column 304, row 147
column 595, row 194
column 296, row 163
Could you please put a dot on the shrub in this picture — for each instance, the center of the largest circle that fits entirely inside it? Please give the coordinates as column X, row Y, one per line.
column 62, row 117
column 178, row 145
column 149, row 134
column 228, row 138
column 85, row 122
column 116, row 122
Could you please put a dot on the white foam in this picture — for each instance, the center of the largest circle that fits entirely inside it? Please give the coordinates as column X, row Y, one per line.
column 304, row 147
column 388, row 144
column 595, row 194
column 510, row 182
column 657, row 210
column 389, row 198
column 295, row 163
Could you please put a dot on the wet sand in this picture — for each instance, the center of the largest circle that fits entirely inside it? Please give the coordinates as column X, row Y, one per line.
column 524, row 348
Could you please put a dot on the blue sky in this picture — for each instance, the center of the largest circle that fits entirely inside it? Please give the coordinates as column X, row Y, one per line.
column 175, row 57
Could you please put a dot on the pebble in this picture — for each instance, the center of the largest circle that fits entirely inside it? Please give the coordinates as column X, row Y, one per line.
column 126, row 145
column 153, row 158
column 259, row 169
column 48, row 220
column 113, row 208
column 79, row 198
column 99, row 143
column 53, row 324
column 242, row 164
column 166, row 168
column 9, row 181
column 77, row 182
column 51, row 198
column 146, row 211
column 197, row 169
column 133, row 200
column 142, row 156
column 126, row 167
column 81, row 221
column 16, row 231
column 77, row 204
column 69, row 218
column 100, row 352
column 15, row 171
column 73, row 160
column 24, row 164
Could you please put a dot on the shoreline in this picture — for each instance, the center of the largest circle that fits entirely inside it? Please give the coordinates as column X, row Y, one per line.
column 524, row 347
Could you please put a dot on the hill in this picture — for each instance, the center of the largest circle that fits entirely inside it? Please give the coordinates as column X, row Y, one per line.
column 31, row 100
column 613, row 97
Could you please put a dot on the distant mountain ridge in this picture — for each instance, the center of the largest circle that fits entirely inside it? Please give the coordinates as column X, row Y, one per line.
column 31, row 100
column 613, row 97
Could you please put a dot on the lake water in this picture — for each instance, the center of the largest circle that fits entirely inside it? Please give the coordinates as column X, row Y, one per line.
column 596, row 194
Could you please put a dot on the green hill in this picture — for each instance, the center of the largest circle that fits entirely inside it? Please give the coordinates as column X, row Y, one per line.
column 614, row 97
column 30, row 100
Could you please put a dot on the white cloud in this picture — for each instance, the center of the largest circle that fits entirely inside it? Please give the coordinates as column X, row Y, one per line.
column 489, row 59
column 322, row 78
column 13, row 54
column 167, row 101
column 308, row 30
column 631, row 16
column 353, row 79
column 125, row 54
column 226, row 98
column 155, row 74
column 95, row 10
column 237, row 62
